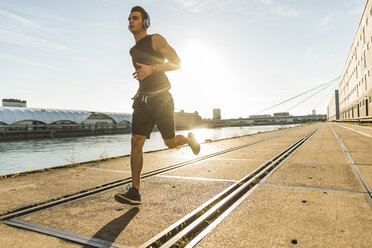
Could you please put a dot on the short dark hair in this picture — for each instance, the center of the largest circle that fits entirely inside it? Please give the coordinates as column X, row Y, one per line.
column 139, row 9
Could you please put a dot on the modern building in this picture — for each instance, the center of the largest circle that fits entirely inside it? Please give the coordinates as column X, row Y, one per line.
column 216, row 114
column 281, row 114
column 34, row 116
column 14, row 103
column 333, row 112
column 28, row 123
column 355, row 84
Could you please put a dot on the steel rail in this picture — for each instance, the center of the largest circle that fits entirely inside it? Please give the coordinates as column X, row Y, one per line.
column 56, row 201
column 76, row 238
column 186, row 229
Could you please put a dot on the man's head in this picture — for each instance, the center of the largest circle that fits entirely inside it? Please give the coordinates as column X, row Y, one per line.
column 138, row 19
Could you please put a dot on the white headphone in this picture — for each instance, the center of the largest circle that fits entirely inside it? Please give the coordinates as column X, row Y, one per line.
column 146, row 22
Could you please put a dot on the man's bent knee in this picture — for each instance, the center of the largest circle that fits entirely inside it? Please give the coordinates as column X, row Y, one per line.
column 171, row 143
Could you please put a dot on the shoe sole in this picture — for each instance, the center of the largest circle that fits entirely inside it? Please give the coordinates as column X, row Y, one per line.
column 125, row 200
column 195, row 150
column 195, row 146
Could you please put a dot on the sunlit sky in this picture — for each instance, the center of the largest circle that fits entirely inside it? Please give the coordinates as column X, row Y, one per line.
column 237, row 55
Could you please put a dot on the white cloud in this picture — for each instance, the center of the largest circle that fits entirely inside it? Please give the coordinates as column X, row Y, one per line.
column 284, row 11
column 325, row 21
column 24, row 21
column 27, row 40
column 266, row 2
column 27, row 62
column 192, row 5
column 260, row 7
column 279, row 9
column 310, row 50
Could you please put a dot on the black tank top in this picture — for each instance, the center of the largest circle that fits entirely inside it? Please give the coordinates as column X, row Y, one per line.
column 143, row 53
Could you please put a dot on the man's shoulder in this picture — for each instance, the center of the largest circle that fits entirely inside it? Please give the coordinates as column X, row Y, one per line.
column 157, row 37
column 158, row 41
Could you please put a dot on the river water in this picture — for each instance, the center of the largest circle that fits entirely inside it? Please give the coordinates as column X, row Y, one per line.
column 19, row 156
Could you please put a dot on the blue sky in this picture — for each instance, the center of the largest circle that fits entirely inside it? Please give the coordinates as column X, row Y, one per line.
column 240, row 56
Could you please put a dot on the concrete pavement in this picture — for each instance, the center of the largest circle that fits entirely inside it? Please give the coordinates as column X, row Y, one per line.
column 313, row 199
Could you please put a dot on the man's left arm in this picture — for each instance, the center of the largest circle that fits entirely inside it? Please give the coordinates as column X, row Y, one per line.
column 161, row 46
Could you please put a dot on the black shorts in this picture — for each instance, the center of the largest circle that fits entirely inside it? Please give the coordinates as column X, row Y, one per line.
column 154, row 109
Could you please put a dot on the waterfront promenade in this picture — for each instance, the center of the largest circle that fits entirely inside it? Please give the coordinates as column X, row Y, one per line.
column 307, row 186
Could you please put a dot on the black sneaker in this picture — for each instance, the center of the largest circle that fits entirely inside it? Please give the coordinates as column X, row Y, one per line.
column 132, row 197
column 194, row 145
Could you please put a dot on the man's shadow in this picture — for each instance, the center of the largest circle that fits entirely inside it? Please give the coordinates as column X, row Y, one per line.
column 111, row 230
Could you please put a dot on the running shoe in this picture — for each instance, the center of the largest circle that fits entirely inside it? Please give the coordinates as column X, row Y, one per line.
column 194, row 145
column 132, row 197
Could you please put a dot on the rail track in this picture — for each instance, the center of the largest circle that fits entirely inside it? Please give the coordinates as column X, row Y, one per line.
column 59, row 200
column 189, row 230
column 192, row 228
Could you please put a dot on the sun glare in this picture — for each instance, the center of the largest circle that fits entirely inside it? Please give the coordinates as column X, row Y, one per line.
column 204, row 74
column 202, row 61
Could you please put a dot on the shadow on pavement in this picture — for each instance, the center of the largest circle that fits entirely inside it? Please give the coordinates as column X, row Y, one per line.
column 111, row 230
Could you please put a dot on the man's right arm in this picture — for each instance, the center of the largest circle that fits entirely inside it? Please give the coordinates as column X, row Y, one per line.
column 161, row 45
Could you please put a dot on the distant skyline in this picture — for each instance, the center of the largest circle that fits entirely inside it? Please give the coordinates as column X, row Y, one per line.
column 237, row 55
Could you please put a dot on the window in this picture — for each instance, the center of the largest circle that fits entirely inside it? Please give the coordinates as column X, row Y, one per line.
column 365, row 60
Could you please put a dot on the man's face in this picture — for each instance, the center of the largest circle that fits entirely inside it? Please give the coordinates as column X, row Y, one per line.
column 135, row 21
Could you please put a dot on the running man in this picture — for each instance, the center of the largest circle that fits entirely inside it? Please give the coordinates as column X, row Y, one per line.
column 153, row 104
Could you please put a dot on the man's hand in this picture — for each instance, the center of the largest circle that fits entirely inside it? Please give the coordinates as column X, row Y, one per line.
column 142, row 72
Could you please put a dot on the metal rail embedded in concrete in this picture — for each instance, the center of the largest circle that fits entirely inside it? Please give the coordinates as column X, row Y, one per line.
column 209, row 212
column 36, row 207
column 80, row 239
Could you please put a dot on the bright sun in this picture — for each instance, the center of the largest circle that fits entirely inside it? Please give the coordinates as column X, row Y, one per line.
column 202, row 61
column 204, row 74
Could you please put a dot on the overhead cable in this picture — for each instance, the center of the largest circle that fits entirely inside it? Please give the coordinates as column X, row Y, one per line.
column 307, row 98
column 275, row 105
column 326, row 96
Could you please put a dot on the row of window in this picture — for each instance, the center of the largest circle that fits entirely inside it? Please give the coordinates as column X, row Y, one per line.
column 350, row 112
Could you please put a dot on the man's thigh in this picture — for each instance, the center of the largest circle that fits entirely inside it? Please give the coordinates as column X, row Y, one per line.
column 163, row 113
column 142, row 121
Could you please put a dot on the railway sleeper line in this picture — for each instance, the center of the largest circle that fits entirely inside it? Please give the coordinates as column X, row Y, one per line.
column 66, row 198
column 193, row 227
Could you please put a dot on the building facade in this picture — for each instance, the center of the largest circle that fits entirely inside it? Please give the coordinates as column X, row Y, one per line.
column 355, row 85
column 30, row 123
column 216, row 114
column 185, row 120
column 281, row 114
